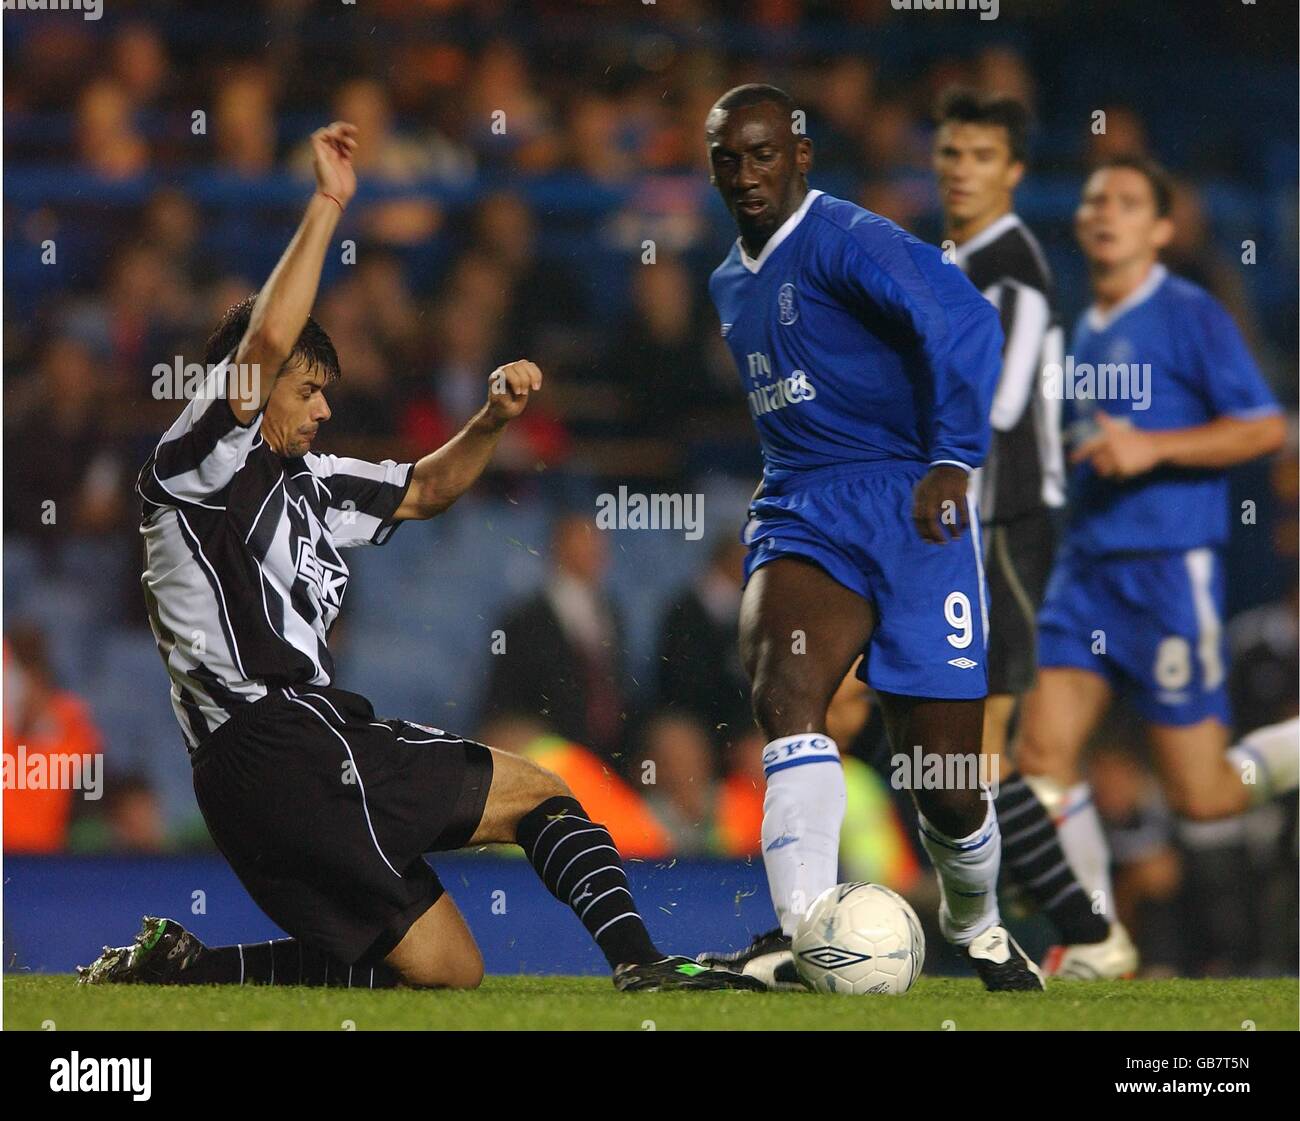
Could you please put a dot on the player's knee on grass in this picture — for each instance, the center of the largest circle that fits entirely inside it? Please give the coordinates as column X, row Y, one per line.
column 438, row 951
column 440, row 969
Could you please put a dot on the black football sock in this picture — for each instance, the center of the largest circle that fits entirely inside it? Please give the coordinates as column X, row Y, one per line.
column 1034, row 859
column 283, row 962
column 578, row 863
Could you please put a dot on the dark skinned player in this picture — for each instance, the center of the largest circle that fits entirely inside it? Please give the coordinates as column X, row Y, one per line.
column 869, row 366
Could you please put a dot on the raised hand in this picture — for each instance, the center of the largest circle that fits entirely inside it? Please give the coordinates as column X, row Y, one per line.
column 331, row 149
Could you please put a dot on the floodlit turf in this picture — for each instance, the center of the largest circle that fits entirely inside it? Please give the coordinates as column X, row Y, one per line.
column 581, row 1002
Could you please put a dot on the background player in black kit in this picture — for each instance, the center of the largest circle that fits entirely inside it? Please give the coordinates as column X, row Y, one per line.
column 980, row 152
column 324, row 810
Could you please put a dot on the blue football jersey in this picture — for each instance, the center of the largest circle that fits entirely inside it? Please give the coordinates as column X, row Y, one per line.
column 857, row 343
column 1169, row 356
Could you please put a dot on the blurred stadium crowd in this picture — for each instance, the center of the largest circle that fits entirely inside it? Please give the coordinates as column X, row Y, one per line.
column 520, row 167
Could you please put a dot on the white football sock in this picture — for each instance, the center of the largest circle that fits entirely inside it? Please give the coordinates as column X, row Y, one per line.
column 1268, row 761
column 1082, row 838
column 802, row 813
column 968, row 876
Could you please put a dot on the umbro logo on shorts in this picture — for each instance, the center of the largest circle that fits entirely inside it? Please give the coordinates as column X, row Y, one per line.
column 962, row 663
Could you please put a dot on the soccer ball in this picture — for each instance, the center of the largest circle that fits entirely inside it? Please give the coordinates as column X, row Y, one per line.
column 858, row 939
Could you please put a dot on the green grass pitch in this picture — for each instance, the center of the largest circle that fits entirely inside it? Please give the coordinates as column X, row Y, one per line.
column 33, row 1002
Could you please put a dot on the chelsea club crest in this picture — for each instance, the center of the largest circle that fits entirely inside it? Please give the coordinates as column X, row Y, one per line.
column 787, row 309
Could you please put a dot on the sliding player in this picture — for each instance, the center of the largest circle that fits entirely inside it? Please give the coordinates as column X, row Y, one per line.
column 869, row 366
column 980, row 149
column 323, row 810
column 1168, row 398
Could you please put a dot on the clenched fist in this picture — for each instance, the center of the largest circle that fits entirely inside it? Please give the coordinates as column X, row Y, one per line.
column 509, row 387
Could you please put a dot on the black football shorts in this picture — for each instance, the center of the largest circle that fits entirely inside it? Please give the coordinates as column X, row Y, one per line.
column 1017, row 561
column 325, row 813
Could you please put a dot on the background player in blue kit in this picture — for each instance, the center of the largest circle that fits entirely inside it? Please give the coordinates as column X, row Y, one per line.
column 869, row 367
column 980, row 152
column 1135, row 599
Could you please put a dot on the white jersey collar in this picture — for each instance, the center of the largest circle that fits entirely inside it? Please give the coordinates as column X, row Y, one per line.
column 1100, row 320
column 753, row 264
column 986, row 236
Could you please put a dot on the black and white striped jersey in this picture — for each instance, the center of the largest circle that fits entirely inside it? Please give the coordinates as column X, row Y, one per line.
column 243, row 577
column 1024, row 470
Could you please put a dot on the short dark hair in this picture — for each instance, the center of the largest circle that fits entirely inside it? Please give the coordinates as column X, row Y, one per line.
column 968, row 107
column 1162, row 184
column 314, row 347
column 755, row 93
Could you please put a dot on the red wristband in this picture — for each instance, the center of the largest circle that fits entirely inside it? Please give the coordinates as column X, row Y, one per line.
column 332, row 199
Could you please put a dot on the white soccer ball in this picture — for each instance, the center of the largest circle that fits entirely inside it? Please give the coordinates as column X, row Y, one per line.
column 859, row 938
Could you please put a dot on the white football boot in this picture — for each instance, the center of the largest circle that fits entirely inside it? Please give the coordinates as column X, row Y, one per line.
column 1110, row 960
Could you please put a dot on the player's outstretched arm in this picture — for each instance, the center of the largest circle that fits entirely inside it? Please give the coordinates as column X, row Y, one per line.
column 283, row 304
column 443, row 476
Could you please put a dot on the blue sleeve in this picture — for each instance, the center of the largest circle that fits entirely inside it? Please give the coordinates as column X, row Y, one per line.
column 1230, row 379
column 956, row 329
